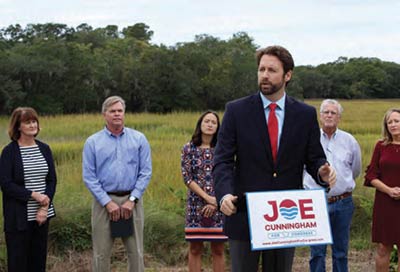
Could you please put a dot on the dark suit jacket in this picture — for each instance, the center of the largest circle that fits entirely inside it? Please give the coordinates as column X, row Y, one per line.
column 243, row 158
column 15, row 195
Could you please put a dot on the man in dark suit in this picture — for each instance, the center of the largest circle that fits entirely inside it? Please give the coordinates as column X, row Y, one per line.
column 247, row 160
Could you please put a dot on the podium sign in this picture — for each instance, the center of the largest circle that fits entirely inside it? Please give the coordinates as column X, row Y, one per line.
column 292, row 218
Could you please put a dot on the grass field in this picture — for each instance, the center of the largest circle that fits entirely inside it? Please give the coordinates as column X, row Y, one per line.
column 165, row 196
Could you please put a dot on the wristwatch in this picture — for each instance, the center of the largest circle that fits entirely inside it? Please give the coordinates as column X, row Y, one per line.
column 134, row 199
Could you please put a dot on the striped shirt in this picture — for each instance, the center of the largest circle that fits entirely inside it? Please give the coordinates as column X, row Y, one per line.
column 35, row 172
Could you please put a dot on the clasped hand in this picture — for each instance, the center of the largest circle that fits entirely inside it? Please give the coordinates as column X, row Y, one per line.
column 394, row 192
column 116, row 212
column 44, row 202
column 41, row 216
column 208, row 210
column 43, row 199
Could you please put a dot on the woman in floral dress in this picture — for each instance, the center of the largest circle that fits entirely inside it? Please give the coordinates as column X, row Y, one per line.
column 203, row 220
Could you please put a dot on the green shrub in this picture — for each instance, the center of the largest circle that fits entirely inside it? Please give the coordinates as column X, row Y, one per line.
column 164, row 235
column 71, row 231
column 360, row 236
column 394, row 259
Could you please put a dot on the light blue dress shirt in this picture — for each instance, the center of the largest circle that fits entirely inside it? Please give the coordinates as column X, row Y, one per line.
column 116, row 163
column 344, row 155
column 279, row 111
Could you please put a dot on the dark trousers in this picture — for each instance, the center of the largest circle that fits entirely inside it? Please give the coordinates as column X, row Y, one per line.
column 27, row 250
column 273, row 260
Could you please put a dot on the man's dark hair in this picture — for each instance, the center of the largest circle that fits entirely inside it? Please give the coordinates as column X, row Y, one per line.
column 281, row 53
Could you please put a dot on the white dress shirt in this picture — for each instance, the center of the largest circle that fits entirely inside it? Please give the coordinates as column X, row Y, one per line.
column 344, row 155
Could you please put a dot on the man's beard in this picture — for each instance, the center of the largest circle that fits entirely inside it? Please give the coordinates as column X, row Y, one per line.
column 272, row 88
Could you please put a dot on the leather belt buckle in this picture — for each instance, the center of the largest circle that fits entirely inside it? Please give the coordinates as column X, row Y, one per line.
column 333, row 199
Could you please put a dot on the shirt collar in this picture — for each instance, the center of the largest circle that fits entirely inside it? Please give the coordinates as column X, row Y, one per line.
column 109, row 133
column 280, row 102
column 326, row 135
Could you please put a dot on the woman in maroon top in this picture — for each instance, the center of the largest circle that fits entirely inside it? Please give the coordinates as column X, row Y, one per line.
column 383, row 173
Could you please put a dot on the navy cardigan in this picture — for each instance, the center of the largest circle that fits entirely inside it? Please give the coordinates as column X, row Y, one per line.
column 15, row 195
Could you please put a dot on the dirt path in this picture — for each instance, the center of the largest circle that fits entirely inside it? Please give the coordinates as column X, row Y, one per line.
column 359, row 261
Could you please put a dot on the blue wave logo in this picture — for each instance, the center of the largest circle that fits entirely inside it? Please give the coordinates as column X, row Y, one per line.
column 288, row 209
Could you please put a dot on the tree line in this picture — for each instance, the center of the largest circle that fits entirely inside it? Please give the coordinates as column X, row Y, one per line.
column 59, row 69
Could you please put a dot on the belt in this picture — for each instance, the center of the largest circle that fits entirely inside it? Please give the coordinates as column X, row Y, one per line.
column 120, row 193
column 333, row 199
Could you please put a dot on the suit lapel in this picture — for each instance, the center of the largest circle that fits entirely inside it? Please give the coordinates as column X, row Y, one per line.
column 258, row 116
column 288, row 125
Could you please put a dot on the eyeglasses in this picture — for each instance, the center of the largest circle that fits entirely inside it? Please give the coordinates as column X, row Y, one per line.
column 329, row 112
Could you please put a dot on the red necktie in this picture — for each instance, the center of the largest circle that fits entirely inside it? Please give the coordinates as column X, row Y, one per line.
column 273, row 130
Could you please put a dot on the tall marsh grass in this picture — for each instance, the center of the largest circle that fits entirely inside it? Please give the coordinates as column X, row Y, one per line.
column 165, row 196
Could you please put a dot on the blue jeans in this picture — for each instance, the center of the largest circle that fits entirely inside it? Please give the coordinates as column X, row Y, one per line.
column 340, row 214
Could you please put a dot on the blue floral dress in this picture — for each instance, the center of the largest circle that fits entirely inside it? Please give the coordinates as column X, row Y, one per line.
column 197, row 165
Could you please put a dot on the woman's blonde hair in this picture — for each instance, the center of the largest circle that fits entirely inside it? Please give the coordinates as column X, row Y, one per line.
column 386, row 135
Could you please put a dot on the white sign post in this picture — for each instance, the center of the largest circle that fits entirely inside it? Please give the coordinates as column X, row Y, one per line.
column 292, row 218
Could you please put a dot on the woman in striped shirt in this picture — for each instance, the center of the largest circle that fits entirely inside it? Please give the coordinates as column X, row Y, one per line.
column 28, row 181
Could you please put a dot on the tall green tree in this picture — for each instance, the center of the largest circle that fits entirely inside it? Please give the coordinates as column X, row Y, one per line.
column 138, row 31
column 60, row 69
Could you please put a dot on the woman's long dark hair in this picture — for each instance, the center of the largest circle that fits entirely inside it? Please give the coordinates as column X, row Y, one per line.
column 196, row 137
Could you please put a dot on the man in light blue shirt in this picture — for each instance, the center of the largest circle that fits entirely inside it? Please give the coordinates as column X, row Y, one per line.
column 116, row 170
column 344, row 154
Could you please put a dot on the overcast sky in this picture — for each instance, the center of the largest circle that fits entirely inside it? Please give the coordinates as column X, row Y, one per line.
column 314, row 31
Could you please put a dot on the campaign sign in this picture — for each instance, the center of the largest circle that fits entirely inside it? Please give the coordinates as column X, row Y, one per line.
column 293, row 218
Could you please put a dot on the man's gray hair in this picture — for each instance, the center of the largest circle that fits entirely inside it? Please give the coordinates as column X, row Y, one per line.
column 111, row 101
column 331, row 102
